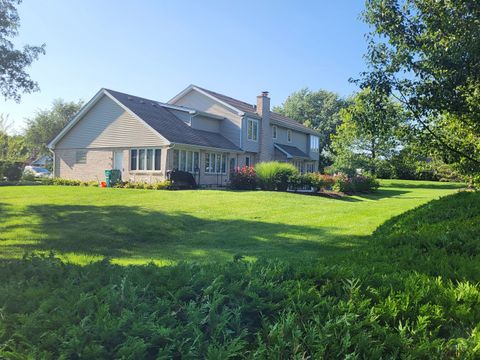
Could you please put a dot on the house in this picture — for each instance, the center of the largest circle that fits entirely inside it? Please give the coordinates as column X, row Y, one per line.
column 199, row 131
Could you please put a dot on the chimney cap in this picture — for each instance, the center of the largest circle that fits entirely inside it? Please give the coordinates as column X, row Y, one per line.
column 264, row 93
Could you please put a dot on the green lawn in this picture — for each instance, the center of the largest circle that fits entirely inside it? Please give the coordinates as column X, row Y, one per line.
column 82, row 224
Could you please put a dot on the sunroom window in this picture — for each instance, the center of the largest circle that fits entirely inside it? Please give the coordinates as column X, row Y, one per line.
column 215, row 163
column 145, row 159
column 186, row 160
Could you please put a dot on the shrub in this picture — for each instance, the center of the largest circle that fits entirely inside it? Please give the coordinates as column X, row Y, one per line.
column 357, row 183
column 66, row 182
column 243, row 178
column 365, row 183
column 343, row 184
column 163, row 185
column 274, row 175
column 12, row 170
column 28, row 176
column 321, row 181
column 299, row 181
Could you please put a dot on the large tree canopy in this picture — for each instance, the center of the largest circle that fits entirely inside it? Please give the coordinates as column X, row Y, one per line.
column 426, row 53
column 316, row 109
column 47, row 123
column 14, row 79
column 370, row 133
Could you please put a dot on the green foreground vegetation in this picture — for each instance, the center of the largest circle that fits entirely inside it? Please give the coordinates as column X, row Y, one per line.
column 84, row 224
column 410, row 290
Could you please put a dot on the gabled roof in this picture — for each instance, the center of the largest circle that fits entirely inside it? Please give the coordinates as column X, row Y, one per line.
column 162, row 120
column 249, row 109
column 291, row 151
column 159, row 118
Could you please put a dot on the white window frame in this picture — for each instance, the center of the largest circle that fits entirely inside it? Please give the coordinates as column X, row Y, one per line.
column 219, row 165
column 187, row 154
column 253, row 135
column 289, row 135
column 314, row 143
column 154, row 152
column 274, row 131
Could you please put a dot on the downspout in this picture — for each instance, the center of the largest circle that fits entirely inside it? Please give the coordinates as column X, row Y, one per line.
column 54, row 161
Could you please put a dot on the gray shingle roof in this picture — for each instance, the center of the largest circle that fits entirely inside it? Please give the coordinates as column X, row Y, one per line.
column 293, row 151
column 275, row 118
column 168, row 125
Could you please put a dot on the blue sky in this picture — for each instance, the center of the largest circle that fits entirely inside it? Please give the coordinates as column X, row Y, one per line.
column 155, row 49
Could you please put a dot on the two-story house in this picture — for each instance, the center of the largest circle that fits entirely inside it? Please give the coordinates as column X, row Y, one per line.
column 199, row 131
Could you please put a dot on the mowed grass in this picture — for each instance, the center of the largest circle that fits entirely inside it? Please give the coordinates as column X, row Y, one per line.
column 128, row 226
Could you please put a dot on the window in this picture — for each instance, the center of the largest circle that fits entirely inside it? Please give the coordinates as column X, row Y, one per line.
column 145, row 159
column 252, row 129
column 289, row 135
column 299, row 165
column 133, row 159
column 310, row 167
column 274, row 131
column 80, row 157
column 149, row 159
column 215, row 163
column 314, row 143
column 247, row 160
column 186, row 160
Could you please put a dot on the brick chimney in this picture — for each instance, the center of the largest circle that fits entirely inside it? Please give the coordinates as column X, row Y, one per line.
column 266, row 142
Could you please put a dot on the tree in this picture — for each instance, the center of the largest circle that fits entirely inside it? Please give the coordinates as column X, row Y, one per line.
column 47, row 124
column 14, row 79
column 318, row 110
column 12, row 147
column 369, row 134
column 426, row 54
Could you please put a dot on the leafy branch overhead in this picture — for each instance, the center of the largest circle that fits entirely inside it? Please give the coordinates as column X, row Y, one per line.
column 14, row 79
column 426, row 54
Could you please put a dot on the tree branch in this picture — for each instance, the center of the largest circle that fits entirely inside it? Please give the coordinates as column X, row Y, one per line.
column 430, row 131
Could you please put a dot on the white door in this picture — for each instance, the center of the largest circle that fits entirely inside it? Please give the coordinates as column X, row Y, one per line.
column 118, row 160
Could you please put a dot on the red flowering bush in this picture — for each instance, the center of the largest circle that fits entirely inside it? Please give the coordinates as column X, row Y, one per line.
column 357, row 183
column 321, row 181
column 243, row 178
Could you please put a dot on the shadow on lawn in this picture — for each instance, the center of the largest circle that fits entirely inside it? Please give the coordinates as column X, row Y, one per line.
column 134, row 232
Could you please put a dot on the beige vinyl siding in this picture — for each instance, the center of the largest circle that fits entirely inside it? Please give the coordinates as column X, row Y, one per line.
column 229, row 127
column 300, row 140
column 250, row 145
column 205, row 123
column 108, row 125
